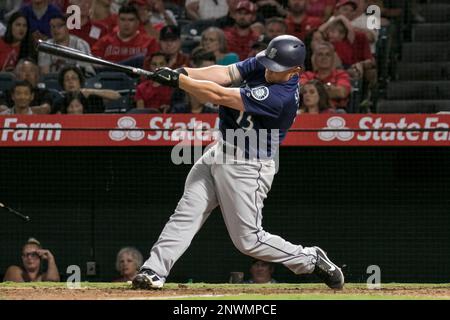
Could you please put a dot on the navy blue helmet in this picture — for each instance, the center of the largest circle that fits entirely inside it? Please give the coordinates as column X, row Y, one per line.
column 283, row 53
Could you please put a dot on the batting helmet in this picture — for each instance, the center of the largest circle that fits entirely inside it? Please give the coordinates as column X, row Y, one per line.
column 282, row 53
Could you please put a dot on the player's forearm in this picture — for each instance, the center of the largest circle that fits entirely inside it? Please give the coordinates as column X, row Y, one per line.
column 217, row 74
column 207, row 91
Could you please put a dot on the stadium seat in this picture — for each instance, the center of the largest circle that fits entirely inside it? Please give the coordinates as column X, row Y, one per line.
column 121, row 105
column 117, row 81
column 56, row 94
column 50, row 81
column 6, row 80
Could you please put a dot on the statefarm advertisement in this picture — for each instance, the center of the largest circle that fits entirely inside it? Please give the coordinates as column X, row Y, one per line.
column 170, row 129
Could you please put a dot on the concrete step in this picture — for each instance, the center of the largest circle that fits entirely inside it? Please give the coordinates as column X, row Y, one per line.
column 426, row 52
column 423, row 71
column 413, row 106
column 428, row 32
column 418, row 90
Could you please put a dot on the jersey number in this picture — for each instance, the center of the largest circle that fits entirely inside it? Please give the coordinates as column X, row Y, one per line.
column 249, row 121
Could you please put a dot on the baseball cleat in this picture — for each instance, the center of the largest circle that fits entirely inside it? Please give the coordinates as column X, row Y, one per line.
column 326, row 270
column 147, row 279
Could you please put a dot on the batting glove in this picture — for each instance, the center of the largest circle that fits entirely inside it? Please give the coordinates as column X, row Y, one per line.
column 166, row 77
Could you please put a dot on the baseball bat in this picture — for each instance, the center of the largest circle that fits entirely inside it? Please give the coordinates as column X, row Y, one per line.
column 66, row 52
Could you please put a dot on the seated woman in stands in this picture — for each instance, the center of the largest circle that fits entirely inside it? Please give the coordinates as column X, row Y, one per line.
column 71, row 79
column 16, row 43
column 315, row 98
column 213, row 40
column 74, row 103
column 33, row 256
column 128, row 262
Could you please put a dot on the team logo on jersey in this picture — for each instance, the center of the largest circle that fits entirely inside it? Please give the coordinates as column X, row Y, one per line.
column 260, row 93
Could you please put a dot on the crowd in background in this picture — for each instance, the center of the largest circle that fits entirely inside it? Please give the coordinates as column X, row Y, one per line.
column 154, row 33
column 39, row 264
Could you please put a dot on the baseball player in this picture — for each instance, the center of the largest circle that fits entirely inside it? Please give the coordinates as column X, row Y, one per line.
column 259, row 94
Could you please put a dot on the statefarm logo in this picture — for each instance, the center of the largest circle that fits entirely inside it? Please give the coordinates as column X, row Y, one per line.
column 401, row 130
column 13, row 130
column 164, row 129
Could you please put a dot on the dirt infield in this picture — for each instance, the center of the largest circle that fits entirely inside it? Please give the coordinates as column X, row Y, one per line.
column 214, row 291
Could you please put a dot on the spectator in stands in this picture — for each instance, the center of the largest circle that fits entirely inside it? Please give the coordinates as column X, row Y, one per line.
column 145, row 26
column 150, row 94
column 89, row 31
column 322, row 9
column 71, row 79
column 268, row 9
column 61, row 36
column 16, row 43
column 337, row 81
column 102, row 14
column 28, row 70
column 38, row 14
column 311, row 43
column 74, row 103
column 33, row 256
column 206, row 9
column 160, row 16
column 22, row 95
column 127, row 43
column 353, row 53
column 228, row 20
column 183, row 102
column 170, row 42
column 261, row 272
column 256, row 48
column 315, row 98
column 258, row 28
column 241, row 37
column 202, row 58
column 116, row 4
column 128, row 261
column 213, row 40
column 298, row 22
column 275, row 27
